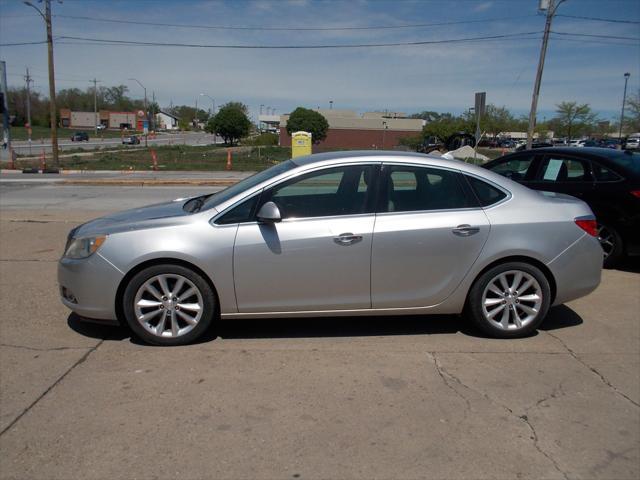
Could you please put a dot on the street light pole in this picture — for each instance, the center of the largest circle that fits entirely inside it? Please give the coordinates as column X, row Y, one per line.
column 552, row 7
column 624, row 98
column 146, row 114
column 213, row 102
column 28, row 80
column 52, row 81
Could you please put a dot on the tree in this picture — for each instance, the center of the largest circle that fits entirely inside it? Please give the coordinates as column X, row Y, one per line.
column 446, row 125
column 632, row 113
column 428, row 115
column 303, row 119
column 572, row 118
column 231, row 123
column 497, row 120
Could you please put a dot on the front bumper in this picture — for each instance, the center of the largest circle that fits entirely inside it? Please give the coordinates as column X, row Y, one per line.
column 88, row 286
column 577, row 270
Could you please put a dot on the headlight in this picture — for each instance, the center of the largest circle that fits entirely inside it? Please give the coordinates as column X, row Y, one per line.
column 83, row 247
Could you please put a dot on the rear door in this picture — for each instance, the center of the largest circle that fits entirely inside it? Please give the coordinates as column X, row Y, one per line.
column 565, row 174
column 428, row 233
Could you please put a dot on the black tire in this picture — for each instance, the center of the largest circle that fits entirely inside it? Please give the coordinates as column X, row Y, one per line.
column 614, row 247
column 475, row 301
column 209, row 308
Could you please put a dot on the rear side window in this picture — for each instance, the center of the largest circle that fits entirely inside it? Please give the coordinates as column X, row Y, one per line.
column 410, row 189
column 603, row 174
column 558, row 169
column 487, row 194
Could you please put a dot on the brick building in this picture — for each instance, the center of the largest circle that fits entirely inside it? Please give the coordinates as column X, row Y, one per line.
column 372, row 130
column 114, row 120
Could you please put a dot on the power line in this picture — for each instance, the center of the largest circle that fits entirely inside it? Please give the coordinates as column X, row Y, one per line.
column 287, row 29
column 22, row 43
column 597, row 19
column 102, row 41
column 590, row 35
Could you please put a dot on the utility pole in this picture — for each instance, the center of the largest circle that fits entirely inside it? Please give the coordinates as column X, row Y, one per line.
column 551, row 8
column 4, row 106
column 146, row 113
column 52, row 81
column 624, row 99
column 95, row 105
column 28, row 80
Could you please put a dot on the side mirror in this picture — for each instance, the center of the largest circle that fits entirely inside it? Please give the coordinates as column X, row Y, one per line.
column 269, row 213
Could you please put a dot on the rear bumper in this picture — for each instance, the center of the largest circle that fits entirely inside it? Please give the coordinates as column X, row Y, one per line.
column 577, row 270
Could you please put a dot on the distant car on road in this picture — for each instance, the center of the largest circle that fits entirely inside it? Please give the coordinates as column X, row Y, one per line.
column 101, row 127
column 80, row 137
column 607, row 180
column 131, row 140
column 334, row 234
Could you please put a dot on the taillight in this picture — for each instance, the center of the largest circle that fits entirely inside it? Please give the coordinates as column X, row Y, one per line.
column 635, row 193
column 588, row 225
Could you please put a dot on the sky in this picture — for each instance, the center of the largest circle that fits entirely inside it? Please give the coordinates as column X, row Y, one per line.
column 408, row 78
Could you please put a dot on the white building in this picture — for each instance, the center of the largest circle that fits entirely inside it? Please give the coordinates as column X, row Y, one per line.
column 166, row 121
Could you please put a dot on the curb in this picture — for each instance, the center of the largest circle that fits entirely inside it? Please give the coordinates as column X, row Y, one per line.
column 152, row 182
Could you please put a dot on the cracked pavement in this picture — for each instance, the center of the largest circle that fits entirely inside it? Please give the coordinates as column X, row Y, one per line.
column 383, row 397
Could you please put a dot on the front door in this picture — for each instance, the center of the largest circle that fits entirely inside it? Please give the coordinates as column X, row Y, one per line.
column 428, row 234
column 318, row 257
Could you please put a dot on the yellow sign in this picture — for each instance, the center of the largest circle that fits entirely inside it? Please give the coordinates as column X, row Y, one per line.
column 300, row 144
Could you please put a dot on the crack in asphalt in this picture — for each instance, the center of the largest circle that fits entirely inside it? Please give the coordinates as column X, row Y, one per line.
column 37, row 349
column 524, row 418
column 444, row 376
column 81, row 360
column 7, row 260
column 593, row 370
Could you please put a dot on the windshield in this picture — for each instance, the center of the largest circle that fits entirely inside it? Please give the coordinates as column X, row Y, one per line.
column 252, row 181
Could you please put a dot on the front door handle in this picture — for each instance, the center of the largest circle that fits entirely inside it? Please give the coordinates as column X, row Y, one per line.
column 347, row 239
column 465, row 230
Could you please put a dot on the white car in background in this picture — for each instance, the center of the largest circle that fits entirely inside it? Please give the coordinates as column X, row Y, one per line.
column 632, row 143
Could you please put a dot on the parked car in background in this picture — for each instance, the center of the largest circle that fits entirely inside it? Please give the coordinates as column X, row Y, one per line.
column 607, row 180
column 131, row 140
column 101, row 126
column 335, row 234
column 506, row 143
column 533, row 145
column 609, row 143
column 80, row 137
column 632, row 143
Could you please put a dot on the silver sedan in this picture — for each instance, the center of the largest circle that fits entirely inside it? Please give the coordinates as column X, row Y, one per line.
column 337, row 234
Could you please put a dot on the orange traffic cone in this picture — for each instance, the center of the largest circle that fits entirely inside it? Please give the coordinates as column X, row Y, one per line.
column 229, row 166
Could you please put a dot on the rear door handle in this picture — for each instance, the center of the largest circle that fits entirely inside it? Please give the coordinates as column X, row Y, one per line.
column 347, row 239
column 465, row 230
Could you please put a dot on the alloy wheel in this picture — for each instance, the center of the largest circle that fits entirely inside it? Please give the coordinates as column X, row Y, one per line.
column 168, row 305
column 607, row 240
column 512, row 300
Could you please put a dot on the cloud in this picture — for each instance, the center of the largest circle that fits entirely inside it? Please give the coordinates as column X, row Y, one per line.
column 482, row 7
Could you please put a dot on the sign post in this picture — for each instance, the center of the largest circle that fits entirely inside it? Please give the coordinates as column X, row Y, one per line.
column 300, row 144
column 481, row 98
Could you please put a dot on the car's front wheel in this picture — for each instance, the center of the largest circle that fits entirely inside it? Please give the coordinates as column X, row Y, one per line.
column 169, row 305
column 509, row 300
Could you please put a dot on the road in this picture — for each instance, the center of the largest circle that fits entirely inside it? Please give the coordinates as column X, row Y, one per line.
column 184, row 138
column 379, row 397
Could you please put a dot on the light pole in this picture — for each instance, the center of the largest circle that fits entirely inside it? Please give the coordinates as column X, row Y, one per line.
column 624, row 99
column 551, row 7
column 384, row 129
column 213, row 102
column 146, row 114
column 330, row 104
column 46, row 16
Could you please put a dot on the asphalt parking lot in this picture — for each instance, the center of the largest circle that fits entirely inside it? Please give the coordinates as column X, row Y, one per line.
column 379, row 397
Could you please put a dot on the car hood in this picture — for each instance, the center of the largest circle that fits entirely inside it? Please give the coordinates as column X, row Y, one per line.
column 152, row 216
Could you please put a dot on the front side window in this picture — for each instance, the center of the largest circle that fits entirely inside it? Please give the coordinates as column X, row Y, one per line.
column 328, row 192
column 411, row 189
column 514, row 168
column 559, row 169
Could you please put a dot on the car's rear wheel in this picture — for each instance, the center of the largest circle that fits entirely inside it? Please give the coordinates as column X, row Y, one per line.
column 509, row 300
column 169, row 305
column 611, row 243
